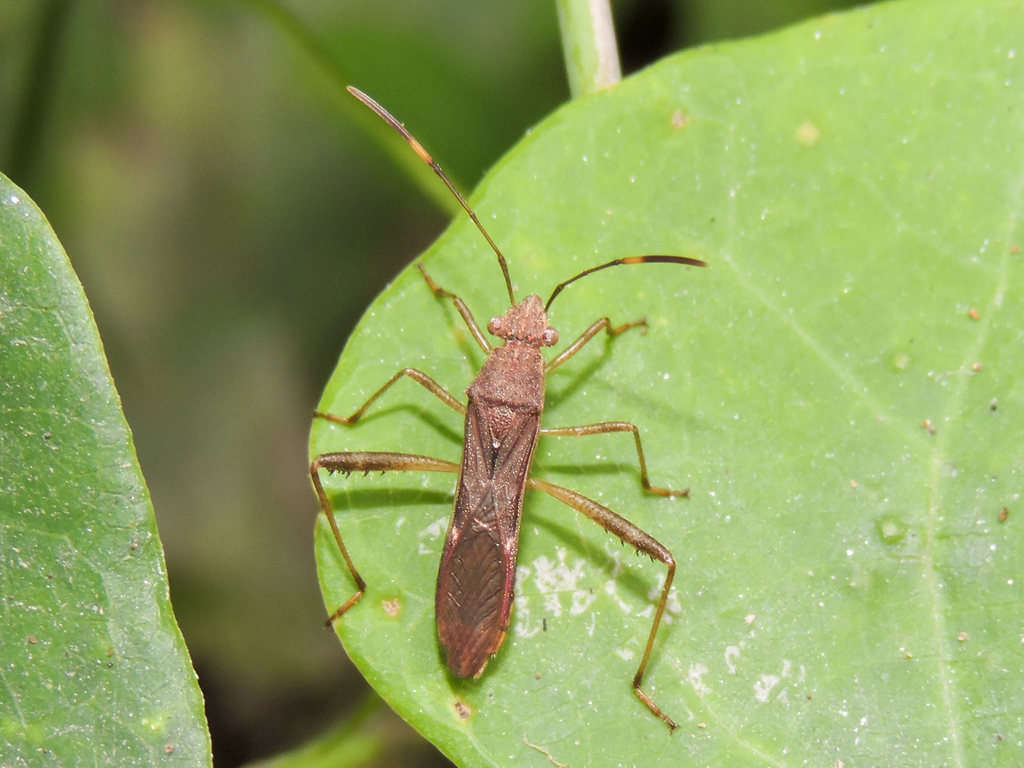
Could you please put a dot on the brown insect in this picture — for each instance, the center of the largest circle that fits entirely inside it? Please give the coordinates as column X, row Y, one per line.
column 475, row 582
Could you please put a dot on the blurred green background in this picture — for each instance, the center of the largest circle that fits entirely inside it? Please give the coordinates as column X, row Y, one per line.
column 230, row 223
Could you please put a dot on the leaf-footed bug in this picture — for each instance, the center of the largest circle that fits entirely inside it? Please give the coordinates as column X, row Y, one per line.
column 473, row 600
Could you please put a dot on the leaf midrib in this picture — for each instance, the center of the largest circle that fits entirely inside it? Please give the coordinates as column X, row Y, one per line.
column 939, row 458
column 908, row 431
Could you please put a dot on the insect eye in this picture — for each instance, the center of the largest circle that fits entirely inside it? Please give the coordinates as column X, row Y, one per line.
column 549, row 337
column 494, row 326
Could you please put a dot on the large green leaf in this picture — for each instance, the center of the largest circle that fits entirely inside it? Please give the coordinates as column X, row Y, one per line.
column 93, row 670
column 841, row 389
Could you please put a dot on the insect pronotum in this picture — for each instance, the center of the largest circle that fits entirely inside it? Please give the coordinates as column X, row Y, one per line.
column 473, row 601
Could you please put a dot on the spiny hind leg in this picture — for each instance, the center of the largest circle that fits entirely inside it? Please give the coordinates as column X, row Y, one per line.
column 642, row 542
column 365, row 461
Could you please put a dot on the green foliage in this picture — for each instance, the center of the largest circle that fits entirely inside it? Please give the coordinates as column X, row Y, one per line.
column 350, row 745
column 841, row 390
column 94, row 670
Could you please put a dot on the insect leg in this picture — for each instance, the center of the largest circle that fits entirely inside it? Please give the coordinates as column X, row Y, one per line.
column 617, row 426
column 640, row 541
column 418, row 376
column 460, row 305
column 363, row 461
column 590, row 333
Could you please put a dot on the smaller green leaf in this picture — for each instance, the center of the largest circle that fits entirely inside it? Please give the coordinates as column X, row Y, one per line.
column 94, row 670
column 345, row 746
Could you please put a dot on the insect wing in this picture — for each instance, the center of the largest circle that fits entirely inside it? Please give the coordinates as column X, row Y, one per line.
column 478, row 566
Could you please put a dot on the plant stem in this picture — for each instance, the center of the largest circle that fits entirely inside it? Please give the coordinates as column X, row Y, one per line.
column 22, row 161
column 588, row 41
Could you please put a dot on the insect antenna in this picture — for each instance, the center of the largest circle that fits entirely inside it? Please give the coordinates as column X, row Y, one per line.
column 628, row 260
column 388, row 118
